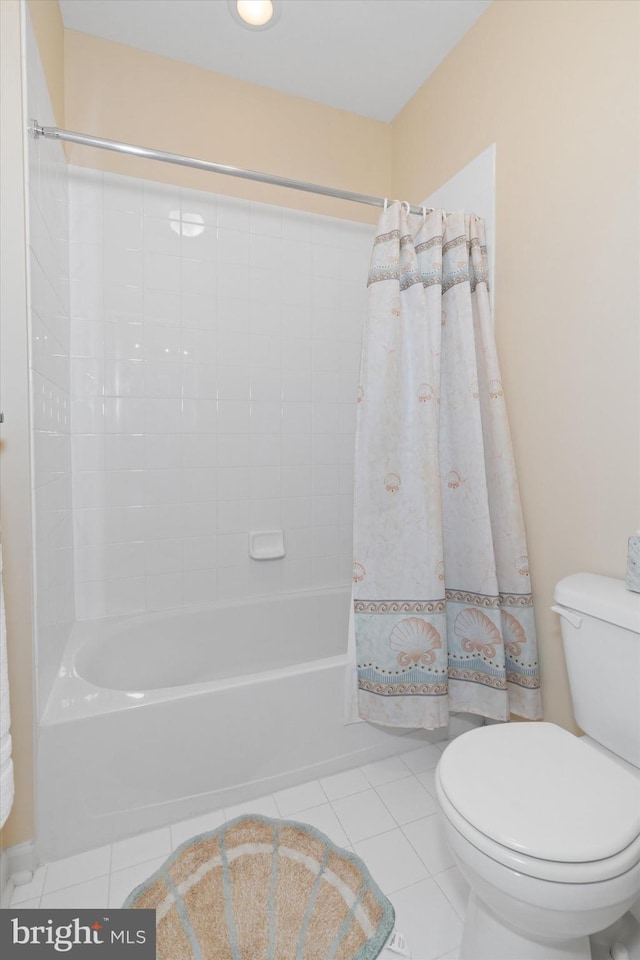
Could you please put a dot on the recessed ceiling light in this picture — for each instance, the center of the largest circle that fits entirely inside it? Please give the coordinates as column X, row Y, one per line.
column 255, row 14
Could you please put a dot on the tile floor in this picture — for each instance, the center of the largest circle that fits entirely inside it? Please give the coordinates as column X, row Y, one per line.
column 385, row 812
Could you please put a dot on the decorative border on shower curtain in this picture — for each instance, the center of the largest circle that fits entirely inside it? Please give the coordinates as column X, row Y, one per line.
column 490, row 600
column 404, row 689
column 399, row 606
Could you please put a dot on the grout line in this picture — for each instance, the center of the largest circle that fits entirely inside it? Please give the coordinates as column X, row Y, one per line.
column 444, row 892
column 412, row 845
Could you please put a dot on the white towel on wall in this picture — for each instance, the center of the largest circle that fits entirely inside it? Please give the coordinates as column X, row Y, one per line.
column 6, row 763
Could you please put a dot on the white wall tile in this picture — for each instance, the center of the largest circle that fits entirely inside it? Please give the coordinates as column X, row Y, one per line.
column 198, row 276
column 233, row 213
column 199, row 485
column 161, row 200
column 234, row 582
column 199, row 518
column 164, row 592
column 234, row 246
column 297, row 225
column 198, row 553
column 125, row 596
column 233, row 516
column 122, row 228
column 198, row 202
column 163, row 556
column 122, row 193
column 163, row 451
column 162, row 272
column 200, row 586
column 265, row 514
column 232, row 549
column 86, row 338
column 201, row 450
column 162, row 522
column 161, row 235
column 199, row 243
column 122, row 303
column 228, row 357
column 123, row 266
column 197, row 310
column 162, row 306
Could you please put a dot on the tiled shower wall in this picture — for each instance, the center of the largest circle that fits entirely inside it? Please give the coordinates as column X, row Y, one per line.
column 215, row 349
column 50, row 378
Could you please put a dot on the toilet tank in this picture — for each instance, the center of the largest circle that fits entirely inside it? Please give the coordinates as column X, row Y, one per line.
column 600, row 622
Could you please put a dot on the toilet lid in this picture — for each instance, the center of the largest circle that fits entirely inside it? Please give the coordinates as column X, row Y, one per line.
column 535, row 788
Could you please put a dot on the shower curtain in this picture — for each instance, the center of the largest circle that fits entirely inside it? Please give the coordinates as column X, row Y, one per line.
column 442, row 604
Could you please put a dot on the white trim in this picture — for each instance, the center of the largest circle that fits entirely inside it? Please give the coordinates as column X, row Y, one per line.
column 17, row 866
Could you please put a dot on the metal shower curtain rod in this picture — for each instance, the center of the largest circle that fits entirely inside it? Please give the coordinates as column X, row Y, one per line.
column 54, row 133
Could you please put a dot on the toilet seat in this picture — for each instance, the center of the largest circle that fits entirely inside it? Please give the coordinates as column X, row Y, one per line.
column 536, row 799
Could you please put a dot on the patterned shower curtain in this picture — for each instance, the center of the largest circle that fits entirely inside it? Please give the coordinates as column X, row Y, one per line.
column 442, row 600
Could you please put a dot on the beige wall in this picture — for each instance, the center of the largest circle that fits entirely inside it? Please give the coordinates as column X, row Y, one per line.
column 555, row 85
column 15, row 476
column 49, row 30
column 124, row 94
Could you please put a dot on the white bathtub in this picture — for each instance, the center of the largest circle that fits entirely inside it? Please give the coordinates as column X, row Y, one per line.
column 161, row 717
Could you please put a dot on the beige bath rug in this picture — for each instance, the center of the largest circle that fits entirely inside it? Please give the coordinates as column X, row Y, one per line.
column 262, row 889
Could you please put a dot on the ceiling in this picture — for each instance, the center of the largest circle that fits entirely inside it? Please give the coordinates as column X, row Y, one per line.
column 366, row 56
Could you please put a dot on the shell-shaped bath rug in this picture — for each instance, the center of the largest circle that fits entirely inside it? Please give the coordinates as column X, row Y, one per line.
column 263, row 889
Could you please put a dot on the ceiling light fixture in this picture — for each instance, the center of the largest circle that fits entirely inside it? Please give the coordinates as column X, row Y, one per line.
column 255, row 14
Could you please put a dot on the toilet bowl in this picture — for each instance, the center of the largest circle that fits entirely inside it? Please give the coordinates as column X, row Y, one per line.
column 546, row 831
column 545, row 825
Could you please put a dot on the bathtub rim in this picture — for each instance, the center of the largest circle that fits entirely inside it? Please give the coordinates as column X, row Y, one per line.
column 72, row 697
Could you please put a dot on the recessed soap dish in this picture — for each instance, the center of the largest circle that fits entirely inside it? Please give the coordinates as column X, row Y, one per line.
column 266, row 544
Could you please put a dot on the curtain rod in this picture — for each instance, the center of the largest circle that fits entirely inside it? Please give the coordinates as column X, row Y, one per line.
column 54, row 133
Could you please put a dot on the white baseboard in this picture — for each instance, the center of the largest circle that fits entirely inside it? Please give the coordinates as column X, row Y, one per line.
column 6, row 883
column 17, row 866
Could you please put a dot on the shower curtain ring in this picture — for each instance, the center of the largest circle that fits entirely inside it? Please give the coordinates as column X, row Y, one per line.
column 408, row 206
column 386, row 204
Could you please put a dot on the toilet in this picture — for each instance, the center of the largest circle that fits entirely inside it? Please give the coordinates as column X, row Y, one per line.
column 545, row 825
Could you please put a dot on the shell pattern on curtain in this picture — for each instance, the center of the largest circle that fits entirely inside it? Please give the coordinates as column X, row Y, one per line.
column 442, row 599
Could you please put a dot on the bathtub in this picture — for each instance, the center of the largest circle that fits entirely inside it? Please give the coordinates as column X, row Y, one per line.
column 160, row 717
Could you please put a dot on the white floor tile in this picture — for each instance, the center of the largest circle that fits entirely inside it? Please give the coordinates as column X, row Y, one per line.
column 263, row 806
column 427, row 839
column 344, row 784
column 425, row 758
column 324, row 818
column 462, row 724
column 300, row 798
column 77, row 869
column 123, row 882
column 428, row 781
column 191, row 828
column 406, row 799
column 363, row 815
column 427, row 919
column 357, row 817
column 93, row 893
column 145, row 846
column 455, row 888
column 30, row 891
column 391, row 860
column 384, row 771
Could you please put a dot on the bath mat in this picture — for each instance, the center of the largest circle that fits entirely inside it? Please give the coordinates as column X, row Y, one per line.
column 259, row 889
